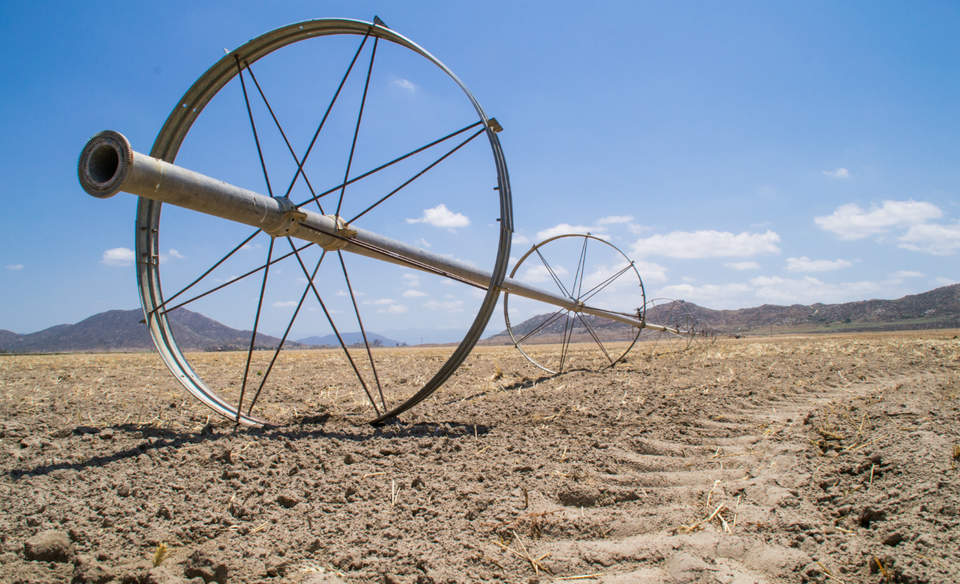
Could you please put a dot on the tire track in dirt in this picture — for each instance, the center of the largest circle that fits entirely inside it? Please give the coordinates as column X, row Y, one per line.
column 738, row 472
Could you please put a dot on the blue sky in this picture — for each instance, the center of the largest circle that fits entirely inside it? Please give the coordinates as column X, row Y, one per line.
column 743, row 152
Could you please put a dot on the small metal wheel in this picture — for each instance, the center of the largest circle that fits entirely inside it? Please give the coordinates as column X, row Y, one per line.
column 684, row 326
column 354, row 120
column 591, row 271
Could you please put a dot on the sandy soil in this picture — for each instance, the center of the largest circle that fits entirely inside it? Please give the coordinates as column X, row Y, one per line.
column 809, row 459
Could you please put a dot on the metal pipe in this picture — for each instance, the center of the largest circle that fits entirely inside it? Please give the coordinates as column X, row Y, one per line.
column 108, row 165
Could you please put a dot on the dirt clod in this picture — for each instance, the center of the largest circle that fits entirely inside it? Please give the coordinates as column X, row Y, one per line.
column 49, row 546
column 202, row 565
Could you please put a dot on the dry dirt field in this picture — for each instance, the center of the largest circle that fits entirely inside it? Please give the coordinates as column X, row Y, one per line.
column 791, row 459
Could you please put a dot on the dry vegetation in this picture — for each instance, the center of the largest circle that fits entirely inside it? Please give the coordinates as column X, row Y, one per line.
column 791, row 459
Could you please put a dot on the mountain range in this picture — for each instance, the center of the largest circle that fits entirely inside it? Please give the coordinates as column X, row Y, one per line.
column 123, row 330
column 938, row 308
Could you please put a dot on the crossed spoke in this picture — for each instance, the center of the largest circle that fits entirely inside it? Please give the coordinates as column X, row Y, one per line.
column 253, row 335
column 326, row 114
column 416, row 176
column 596, row 338
column 203, row 275
column 581, row 267
column 363, row 332
column 388, row 164
column 286, row 333
column 567, row 334
column 553, row 274
column 356, row 129
column 236, row 279
column 546, row 322
column 336, row 332
column 599, row 287
column 276, row 122
column 266, row 270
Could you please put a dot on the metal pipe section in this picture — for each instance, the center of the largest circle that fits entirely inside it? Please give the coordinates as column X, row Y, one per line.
column 108, row 165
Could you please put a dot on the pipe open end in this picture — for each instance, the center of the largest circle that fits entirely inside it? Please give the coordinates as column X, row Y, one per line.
column 104, row 164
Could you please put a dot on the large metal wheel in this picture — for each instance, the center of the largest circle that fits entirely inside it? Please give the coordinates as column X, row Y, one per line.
column 245, row 136
column 601, row 277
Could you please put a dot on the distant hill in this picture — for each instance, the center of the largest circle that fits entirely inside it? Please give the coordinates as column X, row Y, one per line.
column 356, row 338
column 938, row 308
column 122, row 330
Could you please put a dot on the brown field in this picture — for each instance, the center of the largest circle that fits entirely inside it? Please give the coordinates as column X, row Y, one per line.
column 787, row 459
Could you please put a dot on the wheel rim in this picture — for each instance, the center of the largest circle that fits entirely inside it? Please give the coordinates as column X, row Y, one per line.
column 565, row 323
column 168, row 145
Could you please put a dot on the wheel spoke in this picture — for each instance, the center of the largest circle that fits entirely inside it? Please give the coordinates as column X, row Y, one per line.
column 283, row 134
column 599, row 287
column 206, row 273
column 541, row 326
column 356, row 129
column 596, row 338
column 395, row 257
column 333, row 326
column 578, row 276
column 416, row 176
column 326, row 114
column 286, row 333
column 567, row 333
column 552, row 273
column 363, row 331
column 388, row 164
column 235, row 280
column 256, row 325
column 253, row 128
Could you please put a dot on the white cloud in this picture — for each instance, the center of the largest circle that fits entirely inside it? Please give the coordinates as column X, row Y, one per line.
column 440, row 216
column 444, row 306
column 381, row 301
column 285, row 304
column 850, row 221
column 805, row 264
column 565, row 228
column 837, row 173
column 176, row 255
column 931, row 238
column 901, row 274
column 538, row 273
column 404, row 84
column 613, row 219
column 944, row 281
column 14, row 267
column 519, row 239
column 639, row 229
column 741, row 266
column 774, row 290
column 394, row 309
column 413, row 294
column 709, row 295
column 412, row 280
column 424, row 243
column 117, row 256
column 707, row 244
column 651, row 272
column 342, row 293
column 807, row 290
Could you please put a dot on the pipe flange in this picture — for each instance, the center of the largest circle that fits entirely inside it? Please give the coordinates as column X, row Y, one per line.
column 104, row 164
